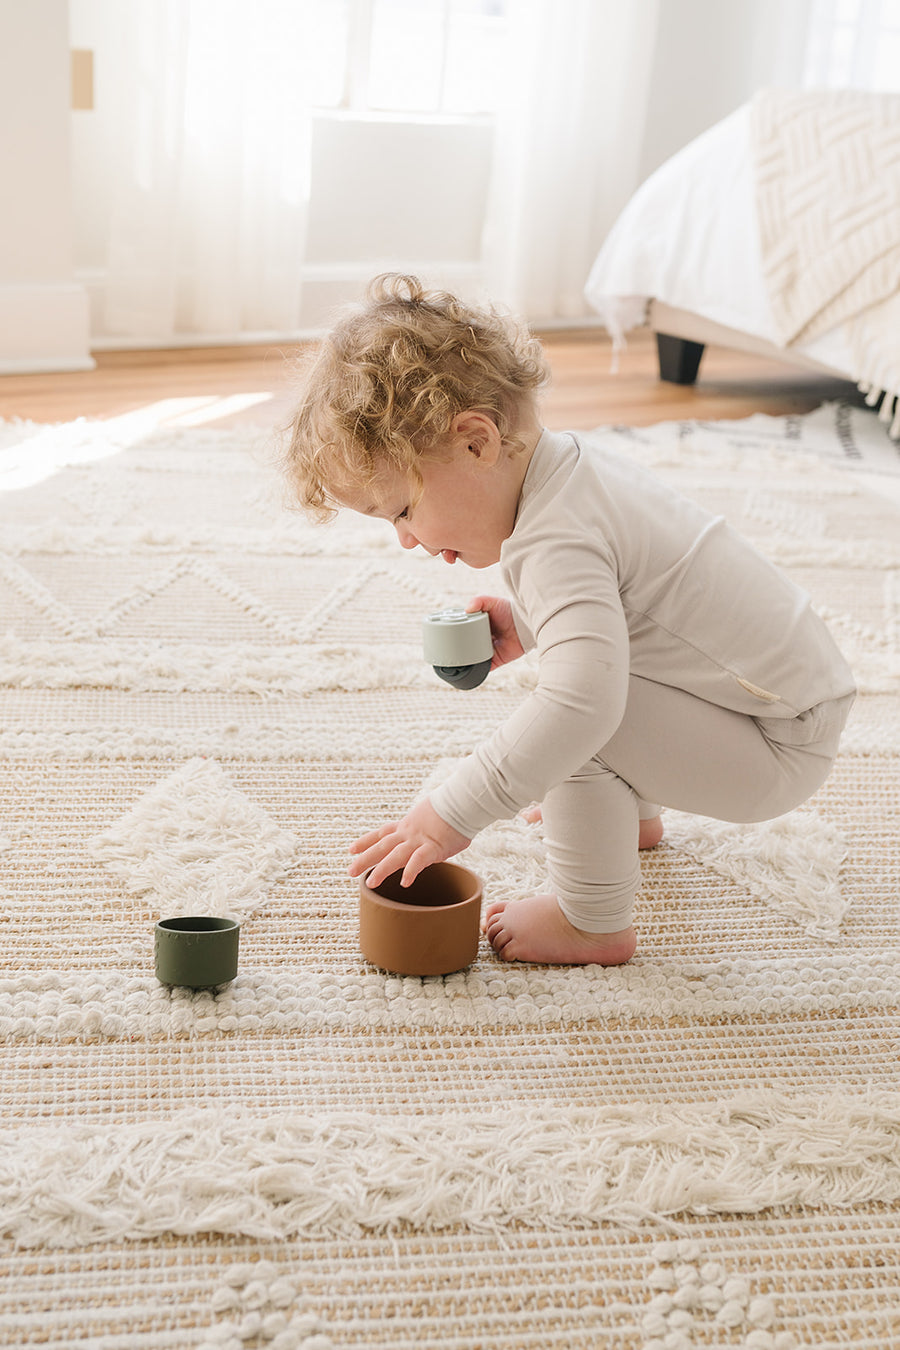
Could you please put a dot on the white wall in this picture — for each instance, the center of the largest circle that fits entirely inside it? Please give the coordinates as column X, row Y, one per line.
column 43, row 313
column 709, row 57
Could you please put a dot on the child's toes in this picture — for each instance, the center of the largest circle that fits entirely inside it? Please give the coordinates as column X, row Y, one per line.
column 503, row 944
column 499, row 939
column 496, row 907
column 496, row 931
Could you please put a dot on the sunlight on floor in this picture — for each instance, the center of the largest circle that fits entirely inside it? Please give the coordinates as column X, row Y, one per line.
column 210, row 409
column 30, row 452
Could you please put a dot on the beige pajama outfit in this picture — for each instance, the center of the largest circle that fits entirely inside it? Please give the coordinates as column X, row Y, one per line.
column 677, row 667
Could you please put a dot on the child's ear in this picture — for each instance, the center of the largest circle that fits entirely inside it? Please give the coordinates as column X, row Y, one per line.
column 479, row 434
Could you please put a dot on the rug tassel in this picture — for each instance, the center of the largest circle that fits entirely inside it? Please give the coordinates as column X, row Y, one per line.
column 889, row 412
column 894, row 430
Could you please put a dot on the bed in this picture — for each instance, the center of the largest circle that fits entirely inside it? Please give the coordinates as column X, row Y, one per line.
column 776, row 232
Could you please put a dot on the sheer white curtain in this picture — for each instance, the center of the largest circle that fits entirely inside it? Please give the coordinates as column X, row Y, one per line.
column 202, row 178
column 208, row 159
column 568, row 148
column 854, row 44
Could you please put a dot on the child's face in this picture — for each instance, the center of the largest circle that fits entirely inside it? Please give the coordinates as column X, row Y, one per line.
column 465, row 509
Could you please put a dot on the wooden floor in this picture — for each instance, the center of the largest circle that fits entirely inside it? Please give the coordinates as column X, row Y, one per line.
column 256, row 385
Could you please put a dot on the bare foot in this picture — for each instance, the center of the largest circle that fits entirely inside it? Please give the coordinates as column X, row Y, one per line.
column 650, row 832
column 535, row 929
column 649, row 835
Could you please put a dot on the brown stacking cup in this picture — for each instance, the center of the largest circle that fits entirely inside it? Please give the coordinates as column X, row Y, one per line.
column 428, row 928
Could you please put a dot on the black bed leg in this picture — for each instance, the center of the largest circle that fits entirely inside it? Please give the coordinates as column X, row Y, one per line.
column 679, row 359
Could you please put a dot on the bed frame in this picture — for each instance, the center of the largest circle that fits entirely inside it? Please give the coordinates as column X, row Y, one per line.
column 681, row 337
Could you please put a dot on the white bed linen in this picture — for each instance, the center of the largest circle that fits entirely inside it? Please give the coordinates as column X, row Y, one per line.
column 689, row 238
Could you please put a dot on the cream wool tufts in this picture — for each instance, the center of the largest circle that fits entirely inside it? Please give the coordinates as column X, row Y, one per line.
column 342, row 1174
column 102, row 1005
column 197, row 845
column 793, row 863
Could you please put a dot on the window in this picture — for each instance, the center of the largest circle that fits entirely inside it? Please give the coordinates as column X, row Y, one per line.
column 426, row 56
column 854, row 44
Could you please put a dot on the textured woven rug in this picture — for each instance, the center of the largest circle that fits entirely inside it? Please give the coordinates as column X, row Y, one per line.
column 204, row 698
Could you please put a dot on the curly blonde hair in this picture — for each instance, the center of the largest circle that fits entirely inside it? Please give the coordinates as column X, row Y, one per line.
column 388, row 380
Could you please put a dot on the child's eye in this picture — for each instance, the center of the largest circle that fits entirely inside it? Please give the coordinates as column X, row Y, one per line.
column 404, row 514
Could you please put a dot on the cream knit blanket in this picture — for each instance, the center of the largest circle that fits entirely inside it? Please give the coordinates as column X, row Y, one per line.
column 827, row 167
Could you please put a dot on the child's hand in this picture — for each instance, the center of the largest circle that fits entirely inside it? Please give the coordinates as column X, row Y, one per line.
column 413, row 843
column 507, row 646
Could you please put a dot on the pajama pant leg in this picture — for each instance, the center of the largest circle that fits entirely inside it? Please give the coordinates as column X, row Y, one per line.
column 679, row 751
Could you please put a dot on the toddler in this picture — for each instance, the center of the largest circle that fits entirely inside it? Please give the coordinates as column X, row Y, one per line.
column 676, row 666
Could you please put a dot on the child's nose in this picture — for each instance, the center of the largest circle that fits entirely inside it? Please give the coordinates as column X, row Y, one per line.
column 405, row 535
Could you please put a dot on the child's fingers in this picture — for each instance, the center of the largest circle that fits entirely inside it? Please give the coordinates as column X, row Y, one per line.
column 380, row 853
column 487, row 604
column 367, row 840
column 368, row 859
column 423, row 857
column 391, row 863
column 408, row 846
column 405, row 855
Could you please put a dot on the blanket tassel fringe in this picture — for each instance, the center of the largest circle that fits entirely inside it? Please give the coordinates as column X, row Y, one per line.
column 890, row 406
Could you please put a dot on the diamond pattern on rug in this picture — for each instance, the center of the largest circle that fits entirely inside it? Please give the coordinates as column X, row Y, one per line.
column 185, row 605
column 792, row 863
column 198, row 845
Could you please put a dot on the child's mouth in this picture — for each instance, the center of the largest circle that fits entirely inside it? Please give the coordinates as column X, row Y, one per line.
column 448, row 555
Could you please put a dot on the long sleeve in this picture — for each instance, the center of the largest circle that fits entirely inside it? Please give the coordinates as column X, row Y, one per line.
column 583, row 664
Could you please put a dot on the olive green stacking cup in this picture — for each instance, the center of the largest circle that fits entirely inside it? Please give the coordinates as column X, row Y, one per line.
column 197, row 952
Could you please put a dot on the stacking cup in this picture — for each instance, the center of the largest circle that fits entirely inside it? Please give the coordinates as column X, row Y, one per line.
column 428, row 928
column 196, row 951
